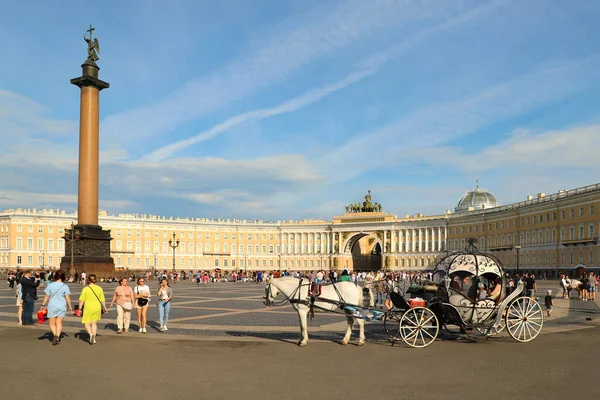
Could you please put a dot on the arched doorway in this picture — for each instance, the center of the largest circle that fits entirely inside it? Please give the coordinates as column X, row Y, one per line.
column 579, row 270
column 366, row 252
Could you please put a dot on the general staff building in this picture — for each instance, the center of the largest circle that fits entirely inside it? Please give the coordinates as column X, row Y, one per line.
column 544, row 233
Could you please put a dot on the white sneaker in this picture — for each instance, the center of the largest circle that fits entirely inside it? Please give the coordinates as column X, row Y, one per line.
column 144, row 330
column 165, row 328
column 141, row 330
column 161, row 328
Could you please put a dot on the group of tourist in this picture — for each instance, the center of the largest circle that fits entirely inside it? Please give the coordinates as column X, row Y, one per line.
column 586, row 286
column 92, row 303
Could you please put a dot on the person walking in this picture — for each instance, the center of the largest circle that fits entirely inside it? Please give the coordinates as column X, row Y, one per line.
column 142, row 298
column 92, row 297
column 29, row 292
column 125, row 299
column 57, row 301
column 165, row 294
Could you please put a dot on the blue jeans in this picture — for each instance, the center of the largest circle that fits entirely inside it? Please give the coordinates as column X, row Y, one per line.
column 163, row 312
column 379, row 299
column 27, row 316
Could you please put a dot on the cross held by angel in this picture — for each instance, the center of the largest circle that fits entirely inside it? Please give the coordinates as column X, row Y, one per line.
column 93, row 46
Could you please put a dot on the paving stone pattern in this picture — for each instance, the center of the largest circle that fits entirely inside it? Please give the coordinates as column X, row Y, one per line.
column 236, row 310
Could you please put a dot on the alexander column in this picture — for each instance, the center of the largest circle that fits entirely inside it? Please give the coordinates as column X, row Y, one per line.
column 91, row 244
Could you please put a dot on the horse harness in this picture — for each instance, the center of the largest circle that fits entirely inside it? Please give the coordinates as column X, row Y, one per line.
column 296, row 297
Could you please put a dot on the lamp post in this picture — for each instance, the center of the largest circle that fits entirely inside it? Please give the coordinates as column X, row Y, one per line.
column 73, row 236
column 174, row 244
column 518, row 248
column 43, row 253
column 155, row 262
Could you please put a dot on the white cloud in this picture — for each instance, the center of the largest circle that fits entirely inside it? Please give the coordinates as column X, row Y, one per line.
column 440, row 123
column 273, row 60
column 20, row 115
column 18, row 199
column 567, row 149
column 369, row 66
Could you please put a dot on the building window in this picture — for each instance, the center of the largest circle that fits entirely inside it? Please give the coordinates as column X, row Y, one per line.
column 29, row 260
column 40, row 244
column 581, row 211
column 30, row 243
column 19, row 260
column 40, row 229
column 19, row 228
column 572, row 213
column 128, row 232
column 591, row 231
column 591, row 210
column 30, row 228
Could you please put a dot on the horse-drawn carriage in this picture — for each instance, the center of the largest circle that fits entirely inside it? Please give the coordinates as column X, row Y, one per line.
column 468, row 291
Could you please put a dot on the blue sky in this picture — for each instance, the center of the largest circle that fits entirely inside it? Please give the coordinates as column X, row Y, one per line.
column 282, row 110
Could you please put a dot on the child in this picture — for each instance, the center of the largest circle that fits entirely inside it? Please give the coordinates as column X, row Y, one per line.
column 548, row 302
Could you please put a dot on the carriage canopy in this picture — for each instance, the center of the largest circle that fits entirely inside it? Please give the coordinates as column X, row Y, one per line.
column 464, row 270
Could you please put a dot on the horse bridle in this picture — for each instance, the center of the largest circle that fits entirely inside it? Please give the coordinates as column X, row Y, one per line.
column 269, row 303
column 267, row 299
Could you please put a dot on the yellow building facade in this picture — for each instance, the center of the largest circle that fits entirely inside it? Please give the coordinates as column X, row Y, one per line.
column 550, row 233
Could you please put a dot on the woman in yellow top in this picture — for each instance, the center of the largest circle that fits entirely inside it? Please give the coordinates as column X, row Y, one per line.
column 92, row 296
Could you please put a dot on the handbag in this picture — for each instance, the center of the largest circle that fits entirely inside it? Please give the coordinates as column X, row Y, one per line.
column 141, row 302
column 127, row 306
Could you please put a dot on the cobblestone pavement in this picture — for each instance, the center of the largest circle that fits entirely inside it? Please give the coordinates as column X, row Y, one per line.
column 235, row 310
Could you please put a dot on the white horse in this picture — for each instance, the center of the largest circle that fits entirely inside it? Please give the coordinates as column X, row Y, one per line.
column 295, row 290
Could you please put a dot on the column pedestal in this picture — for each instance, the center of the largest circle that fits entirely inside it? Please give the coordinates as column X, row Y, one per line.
column 91, row 252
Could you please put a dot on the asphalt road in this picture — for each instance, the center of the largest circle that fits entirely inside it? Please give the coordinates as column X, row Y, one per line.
column 554, row 366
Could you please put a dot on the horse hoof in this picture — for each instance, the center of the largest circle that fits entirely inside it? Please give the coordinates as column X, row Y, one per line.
column 344, row 342
column 361, row 343
column 302, row 344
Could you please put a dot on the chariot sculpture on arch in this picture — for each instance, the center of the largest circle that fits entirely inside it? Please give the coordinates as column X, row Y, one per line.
column 366, row 206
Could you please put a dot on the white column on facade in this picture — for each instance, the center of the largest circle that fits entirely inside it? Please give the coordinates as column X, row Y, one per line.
column 426, row 239
column 289, row 250
column 439, row 233
column 401, row 240
column 328, row 243
column 301, row 243
column 412, row 243
column 420, row 245
column 392, row 241
column 340, row 242
column 384, row 240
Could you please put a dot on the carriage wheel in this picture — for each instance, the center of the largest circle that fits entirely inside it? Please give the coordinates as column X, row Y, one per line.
column 419, row 327
column 391, row 323
column 524, row 319
column 492, row 330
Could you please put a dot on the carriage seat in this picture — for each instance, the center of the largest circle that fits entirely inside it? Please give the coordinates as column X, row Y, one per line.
column 464, row 305
column 399, row 301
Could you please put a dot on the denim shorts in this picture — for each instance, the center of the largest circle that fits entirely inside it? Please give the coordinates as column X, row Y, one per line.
column 592, row 289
